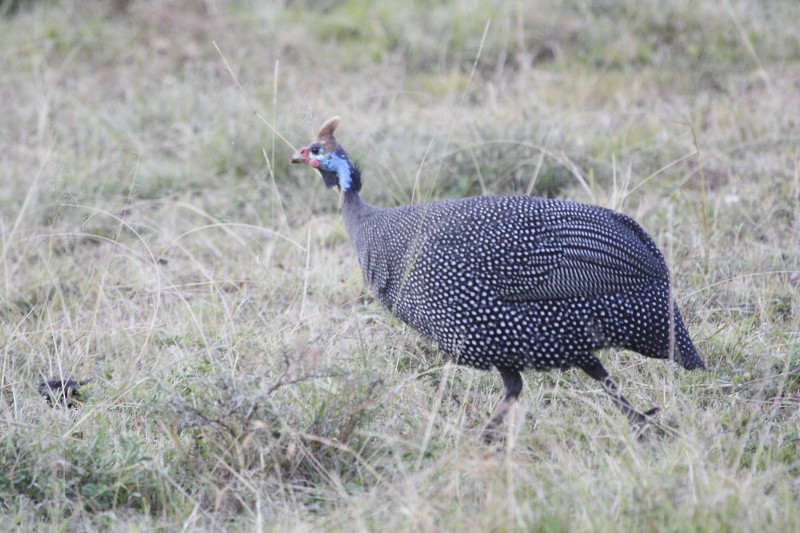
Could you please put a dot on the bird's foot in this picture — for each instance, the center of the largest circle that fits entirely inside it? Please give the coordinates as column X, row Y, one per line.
column 637, row 418
column 643, row 423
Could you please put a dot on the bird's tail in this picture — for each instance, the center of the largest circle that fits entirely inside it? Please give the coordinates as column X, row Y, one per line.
column 685, row 352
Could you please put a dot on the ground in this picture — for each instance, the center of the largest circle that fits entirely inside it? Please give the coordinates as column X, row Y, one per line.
column 155, row 240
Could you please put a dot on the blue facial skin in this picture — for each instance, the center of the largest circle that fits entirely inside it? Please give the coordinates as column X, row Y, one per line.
column 337, row 163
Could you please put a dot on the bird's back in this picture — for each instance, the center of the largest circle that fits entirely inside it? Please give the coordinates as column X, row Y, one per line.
column 522, row 248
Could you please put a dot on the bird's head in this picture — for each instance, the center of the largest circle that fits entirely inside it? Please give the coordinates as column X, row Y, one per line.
column 329, row 158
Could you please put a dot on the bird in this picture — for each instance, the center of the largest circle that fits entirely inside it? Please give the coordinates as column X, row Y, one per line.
column 513, row 283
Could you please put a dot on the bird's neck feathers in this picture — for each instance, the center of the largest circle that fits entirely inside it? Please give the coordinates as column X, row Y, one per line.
column 338, row 171
column 355, row 212
column 349, row 178
column 352, row 204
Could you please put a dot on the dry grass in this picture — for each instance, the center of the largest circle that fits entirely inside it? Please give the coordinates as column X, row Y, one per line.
column 154, row 239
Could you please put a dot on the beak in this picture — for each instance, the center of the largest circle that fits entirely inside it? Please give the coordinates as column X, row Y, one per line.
column 301, row 156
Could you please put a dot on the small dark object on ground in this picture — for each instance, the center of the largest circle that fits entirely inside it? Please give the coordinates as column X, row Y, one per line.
column 64, row 392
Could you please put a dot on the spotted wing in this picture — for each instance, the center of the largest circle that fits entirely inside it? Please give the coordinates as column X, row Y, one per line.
column 572, row 250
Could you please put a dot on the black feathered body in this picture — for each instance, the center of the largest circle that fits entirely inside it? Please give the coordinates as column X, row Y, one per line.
column 520, row 282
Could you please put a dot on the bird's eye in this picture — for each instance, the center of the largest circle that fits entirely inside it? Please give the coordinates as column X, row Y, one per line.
column 316, row 149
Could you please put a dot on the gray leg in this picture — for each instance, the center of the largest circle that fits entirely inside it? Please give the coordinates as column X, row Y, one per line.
column 513, row 382
column 595, row 369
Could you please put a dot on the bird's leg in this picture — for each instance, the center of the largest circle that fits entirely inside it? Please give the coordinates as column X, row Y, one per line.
column 595, row 369
column 513, row 382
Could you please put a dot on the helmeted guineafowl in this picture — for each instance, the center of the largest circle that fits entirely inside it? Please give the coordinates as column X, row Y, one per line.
column 513, row 282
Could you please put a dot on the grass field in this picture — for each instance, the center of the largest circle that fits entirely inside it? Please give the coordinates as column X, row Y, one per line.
column 155, row 240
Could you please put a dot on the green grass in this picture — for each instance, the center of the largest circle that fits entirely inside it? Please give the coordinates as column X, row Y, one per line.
column 154, row 239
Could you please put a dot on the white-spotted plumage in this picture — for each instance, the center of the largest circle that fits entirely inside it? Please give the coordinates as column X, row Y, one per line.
column 518, row 281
